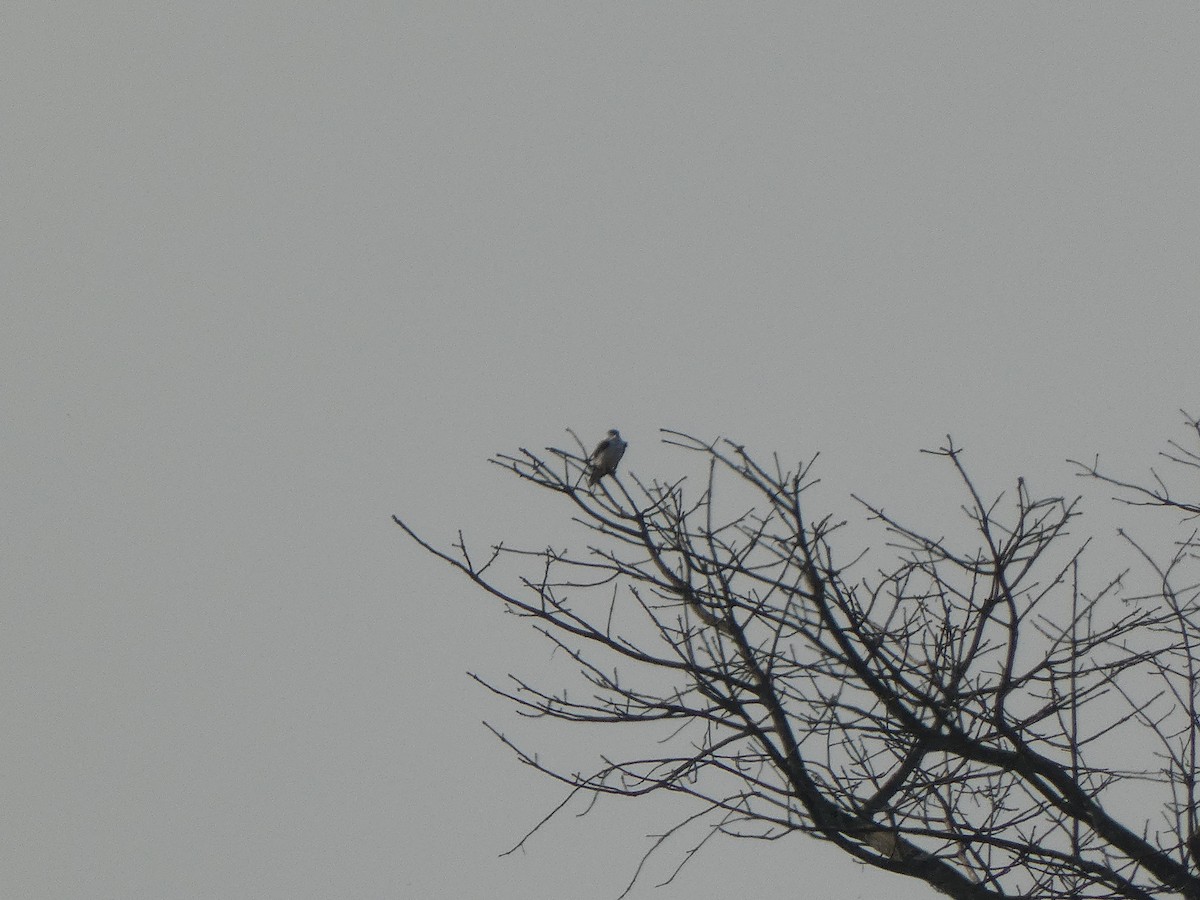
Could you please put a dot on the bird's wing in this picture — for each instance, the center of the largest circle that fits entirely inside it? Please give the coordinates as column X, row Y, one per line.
column 600, row 448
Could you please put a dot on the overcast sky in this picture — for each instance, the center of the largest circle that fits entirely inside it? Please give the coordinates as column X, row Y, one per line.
column 275, row 271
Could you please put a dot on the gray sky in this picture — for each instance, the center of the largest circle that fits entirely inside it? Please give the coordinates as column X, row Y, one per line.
column 276, row 271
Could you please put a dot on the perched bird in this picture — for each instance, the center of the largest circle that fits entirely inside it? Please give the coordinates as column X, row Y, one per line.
column 605, row 457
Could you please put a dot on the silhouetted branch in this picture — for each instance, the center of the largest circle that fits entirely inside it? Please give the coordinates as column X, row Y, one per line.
column 962, row 715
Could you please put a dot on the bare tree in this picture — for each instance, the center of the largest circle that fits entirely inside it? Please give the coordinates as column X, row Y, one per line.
column 970, row 714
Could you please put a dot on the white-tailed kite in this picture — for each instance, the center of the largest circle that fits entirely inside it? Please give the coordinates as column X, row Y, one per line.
column 605, row 457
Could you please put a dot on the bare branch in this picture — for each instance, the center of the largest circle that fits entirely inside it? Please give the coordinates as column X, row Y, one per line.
column 960, row 712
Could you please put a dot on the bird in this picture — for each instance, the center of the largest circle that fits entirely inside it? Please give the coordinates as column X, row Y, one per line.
column 605, row 457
